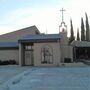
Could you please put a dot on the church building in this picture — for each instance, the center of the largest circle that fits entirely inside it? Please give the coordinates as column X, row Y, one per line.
column 30, row 47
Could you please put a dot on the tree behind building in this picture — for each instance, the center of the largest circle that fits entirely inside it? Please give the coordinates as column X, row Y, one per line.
column 71, row 33
column 87, row 28
column 82, row 30
column 78, row 37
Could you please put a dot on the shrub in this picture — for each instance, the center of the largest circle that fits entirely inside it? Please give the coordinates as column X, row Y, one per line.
column 8, row 62
column 0, row 62
column 5, row 62
column 11, row 62
column 67, row 60
column 44, row 62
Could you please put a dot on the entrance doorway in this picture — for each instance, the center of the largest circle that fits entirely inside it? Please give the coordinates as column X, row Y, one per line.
column 29, row 60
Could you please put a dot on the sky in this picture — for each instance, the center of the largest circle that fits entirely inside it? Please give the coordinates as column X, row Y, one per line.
column 45, row 14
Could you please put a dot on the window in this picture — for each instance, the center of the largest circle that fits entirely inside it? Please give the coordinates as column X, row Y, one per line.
column 28, row 47
column 47, row 55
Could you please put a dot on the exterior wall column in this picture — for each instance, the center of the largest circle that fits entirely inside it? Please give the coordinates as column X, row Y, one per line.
column 21, row 55
column 64, row 46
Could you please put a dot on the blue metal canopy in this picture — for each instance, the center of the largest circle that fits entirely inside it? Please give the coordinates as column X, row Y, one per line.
column 40, row 38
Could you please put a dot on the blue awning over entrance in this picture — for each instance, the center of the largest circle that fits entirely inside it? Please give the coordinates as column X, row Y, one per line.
column 41, row 38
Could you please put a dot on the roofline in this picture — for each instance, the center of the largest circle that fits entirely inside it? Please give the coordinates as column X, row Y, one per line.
column 20, row 29
column 9, row 48
column 38, row 40
column 80, row 44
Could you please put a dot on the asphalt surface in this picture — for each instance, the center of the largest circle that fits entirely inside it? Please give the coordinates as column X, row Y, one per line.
column 51, row 78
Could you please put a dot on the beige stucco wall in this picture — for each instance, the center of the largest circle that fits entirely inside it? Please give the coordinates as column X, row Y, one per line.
column 56, row 53
column 9, row 55
column 21, row 54
column 66, row 49
column 60, row 48
column 64, row 46
column 70, row 52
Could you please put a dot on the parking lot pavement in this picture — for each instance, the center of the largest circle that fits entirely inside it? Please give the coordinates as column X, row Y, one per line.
column 52, row 78
column 9, row 71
